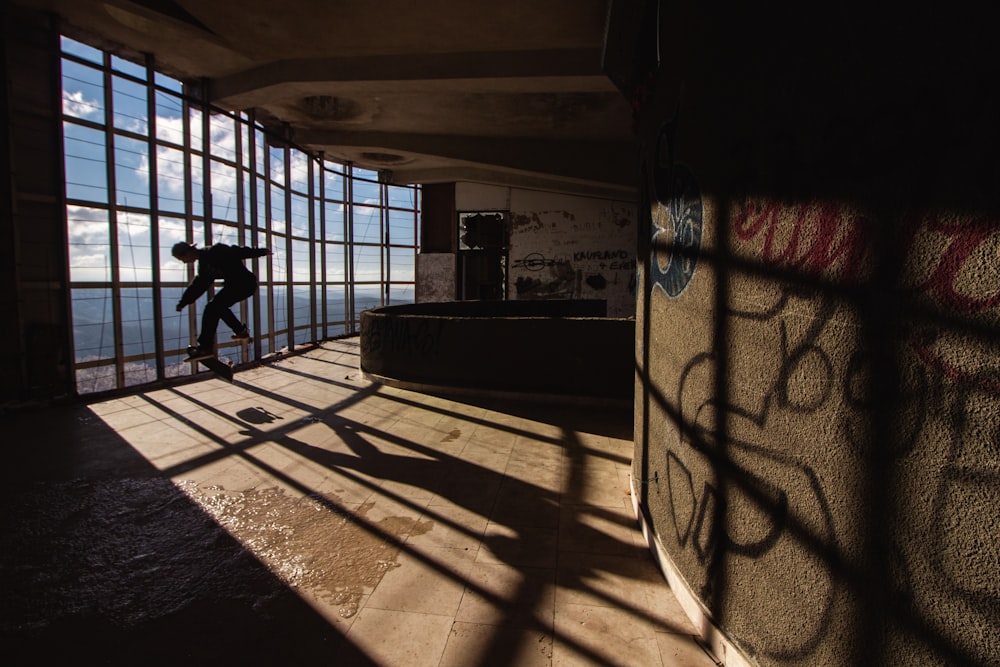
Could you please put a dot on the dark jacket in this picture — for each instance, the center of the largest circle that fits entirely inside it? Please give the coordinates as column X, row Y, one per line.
column 225, row 262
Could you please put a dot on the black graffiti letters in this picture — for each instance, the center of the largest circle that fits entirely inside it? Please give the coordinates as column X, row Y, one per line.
column 600, row 255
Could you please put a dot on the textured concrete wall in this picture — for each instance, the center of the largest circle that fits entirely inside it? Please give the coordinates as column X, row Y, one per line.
column 564, row 246
column 35, row 354
column 437, row 277
column 817, row 408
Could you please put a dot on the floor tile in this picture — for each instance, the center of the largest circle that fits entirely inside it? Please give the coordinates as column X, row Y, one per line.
column 682, row 651
column 588, row 635
column 625, row 582
column 495, row 646
column 520, row 503
column 586, row 487
column 605, row 530
column 451, row 526
column 400, row 638
column 507, row 595
column 428, row 580
column 525, row 546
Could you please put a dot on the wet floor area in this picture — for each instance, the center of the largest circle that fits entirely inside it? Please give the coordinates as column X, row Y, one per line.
column 303, row 515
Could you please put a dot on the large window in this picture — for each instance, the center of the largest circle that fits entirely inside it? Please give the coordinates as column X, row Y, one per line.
column 148, row 164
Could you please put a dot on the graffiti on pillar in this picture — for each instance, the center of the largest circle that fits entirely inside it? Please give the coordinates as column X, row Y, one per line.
column 779, row 516
column 676, row 234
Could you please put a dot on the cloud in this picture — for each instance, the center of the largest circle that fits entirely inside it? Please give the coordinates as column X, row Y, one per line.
column 77, row 106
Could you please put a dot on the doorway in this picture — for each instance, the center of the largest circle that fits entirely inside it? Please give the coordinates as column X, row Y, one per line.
column 482, row 255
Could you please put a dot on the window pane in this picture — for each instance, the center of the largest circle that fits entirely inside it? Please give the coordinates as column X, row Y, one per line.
column 278, row 219
column 365, row 192
column 98, row 378
column 93, row 328
column 401, row 197
column 223, row 137
column 300, row 216
column 130, row 105
column 300, row 261
column 131, row 172
column 367, row 263
column 89, row 244
column 128, row 67
column 299, row 171
column 334, row 222
column 333, row 184
column 134, row 248
column 366, row 297
column 86, row 170
column 400, row 294
column 335, row 262
column 172, row 270
column 303, row 313
column 224, row 203
column 401, row 265
column 170, row 177
column 169, row 119
column 401, row 227
column 138, row 325
column 279, row 295
column 277, row 165
column 175, row 327
column 83, row 91
column 169, row 83
column 225, row 234
column 336, row 300
column 197, row 186
column 367, row 225
column 81, row 50
column 195, row 129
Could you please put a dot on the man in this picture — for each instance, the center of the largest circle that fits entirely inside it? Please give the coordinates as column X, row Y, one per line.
column 214, row 262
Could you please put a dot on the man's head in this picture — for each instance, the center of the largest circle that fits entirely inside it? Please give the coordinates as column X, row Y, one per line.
column 185, row 252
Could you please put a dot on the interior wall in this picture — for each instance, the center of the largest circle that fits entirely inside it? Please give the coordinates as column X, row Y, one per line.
column 564, row 246
column 817, row 450
column 34, row 356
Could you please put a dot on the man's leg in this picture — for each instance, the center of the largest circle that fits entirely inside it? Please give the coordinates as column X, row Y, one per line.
column 219, row 308
column 209, row 323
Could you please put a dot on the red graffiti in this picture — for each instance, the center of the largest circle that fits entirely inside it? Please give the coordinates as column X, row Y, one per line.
column 983, row 380
column 838, row 243
column 821, row 239
column 965, row 239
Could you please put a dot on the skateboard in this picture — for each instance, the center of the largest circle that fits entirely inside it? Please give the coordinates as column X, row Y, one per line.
column 216, row 365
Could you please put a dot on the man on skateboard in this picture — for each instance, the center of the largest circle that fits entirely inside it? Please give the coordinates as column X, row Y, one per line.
column 215, row 262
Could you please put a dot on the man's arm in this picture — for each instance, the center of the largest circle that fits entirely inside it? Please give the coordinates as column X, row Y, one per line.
column 246, row 252
column 197, row 287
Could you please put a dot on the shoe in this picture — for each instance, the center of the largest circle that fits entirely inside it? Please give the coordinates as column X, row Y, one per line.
column 196, row 353
column 242, row 335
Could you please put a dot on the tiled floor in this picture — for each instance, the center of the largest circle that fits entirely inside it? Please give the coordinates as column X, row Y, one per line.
column 303, row 515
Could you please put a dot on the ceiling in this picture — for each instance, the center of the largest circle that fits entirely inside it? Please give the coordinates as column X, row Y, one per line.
column 510, row 93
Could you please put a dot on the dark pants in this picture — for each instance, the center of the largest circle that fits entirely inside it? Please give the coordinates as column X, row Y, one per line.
column 219, row 308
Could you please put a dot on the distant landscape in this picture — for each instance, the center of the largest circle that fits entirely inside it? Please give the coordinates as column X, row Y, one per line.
column 93, row 330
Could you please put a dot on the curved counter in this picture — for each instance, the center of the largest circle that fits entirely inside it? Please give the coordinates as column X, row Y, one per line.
column 543, row 348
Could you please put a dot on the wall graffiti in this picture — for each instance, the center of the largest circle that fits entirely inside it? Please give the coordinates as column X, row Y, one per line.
column 535, row 261
column 809, row 366
column 397, row 335
column 817, row 239
column 831, row 241
column 676, row 234
column 781, row 498
column 566, row 276
column 584, row 249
